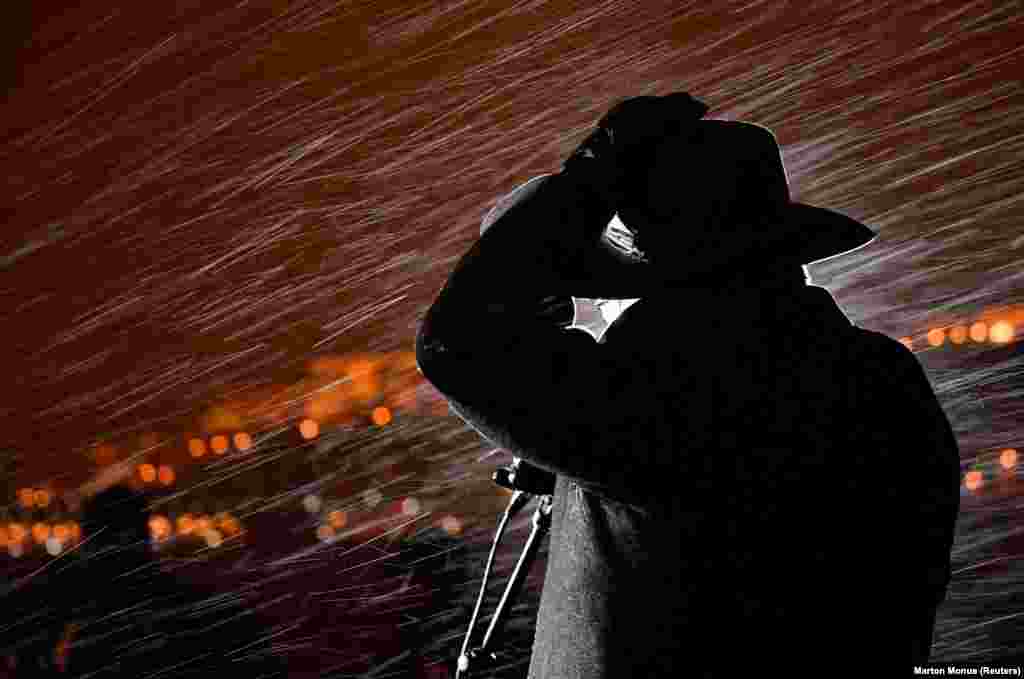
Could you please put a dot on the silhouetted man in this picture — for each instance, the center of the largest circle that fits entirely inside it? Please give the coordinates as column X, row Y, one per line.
column 744, row 478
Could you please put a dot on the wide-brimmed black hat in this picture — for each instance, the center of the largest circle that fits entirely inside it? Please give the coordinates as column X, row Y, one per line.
column 711, row 200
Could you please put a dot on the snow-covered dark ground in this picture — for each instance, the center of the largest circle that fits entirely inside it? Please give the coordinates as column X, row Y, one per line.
column 201, row 200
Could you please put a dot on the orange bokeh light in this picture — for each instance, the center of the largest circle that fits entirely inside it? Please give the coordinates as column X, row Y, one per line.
column 75, row 530
column 147, row 472
column 166, row 474
column 381, row 416
column 40, row 531
column 936, row 337
column 226, row 523
column 213, row 538
column 16, row 532
column 197, row 447
column 27, row 497
column 219, row 444
column 337, row 518
column 185, row 524
column 1008, row 458
column 958, row 334
column 979, row 331
column 41, row 497
column 309, row 429
column 243, row 441
column 365, row 384
column 160, row 527
column 61, row 532
column 325, row 532
column 230, row 526
column 973, row 480
column 1001, row 332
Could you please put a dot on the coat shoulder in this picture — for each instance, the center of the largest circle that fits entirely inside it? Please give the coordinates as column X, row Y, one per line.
column 880, row 347
column 879, row 340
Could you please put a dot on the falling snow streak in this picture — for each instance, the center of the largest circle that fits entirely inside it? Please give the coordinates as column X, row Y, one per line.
column 201, row 199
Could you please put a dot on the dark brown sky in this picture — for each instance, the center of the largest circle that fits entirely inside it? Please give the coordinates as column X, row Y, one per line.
column 199, row 197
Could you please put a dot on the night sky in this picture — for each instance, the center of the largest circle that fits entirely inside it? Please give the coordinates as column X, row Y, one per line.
column 201, row 199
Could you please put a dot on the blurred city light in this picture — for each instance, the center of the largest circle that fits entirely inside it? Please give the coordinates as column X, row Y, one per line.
column 1008, row 458
column 365, row 385
column 197, row 447
column 243, row 441
column 309, row 429
column 325, row 532
column 147, row 472
column 958, row 334
column 312, row 503
column 936, row 337
column 973, row 480
column 160, row 527
column 1001, row 332
column 381, row 416
column 185, row 524
column 40, row 531
column 337, row 519
column 166, row 474
column 16, row 532
column 979, row 331
column 213, row 537
column 226, row 524
column 219, row 444
column 41, row 497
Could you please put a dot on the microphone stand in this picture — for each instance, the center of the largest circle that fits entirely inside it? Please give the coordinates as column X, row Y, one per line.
column 527, row 482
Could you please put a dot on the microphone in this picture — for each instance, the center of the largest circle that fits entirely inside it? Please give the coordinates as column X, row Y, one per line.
column 525, row 477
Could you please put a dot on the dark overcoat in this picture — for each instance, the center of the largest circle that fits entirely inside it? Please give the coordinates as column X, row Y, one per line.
column 745, row 479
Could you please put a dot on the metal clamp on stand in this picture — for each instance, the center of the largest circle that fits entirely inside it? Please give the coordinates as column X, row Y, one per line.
column 527, row 482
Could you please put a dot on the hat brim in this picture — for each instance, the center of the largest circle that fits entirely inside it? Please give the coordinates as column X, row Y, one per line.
column 811, row 235
column 600, row 271
column 819, row 233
